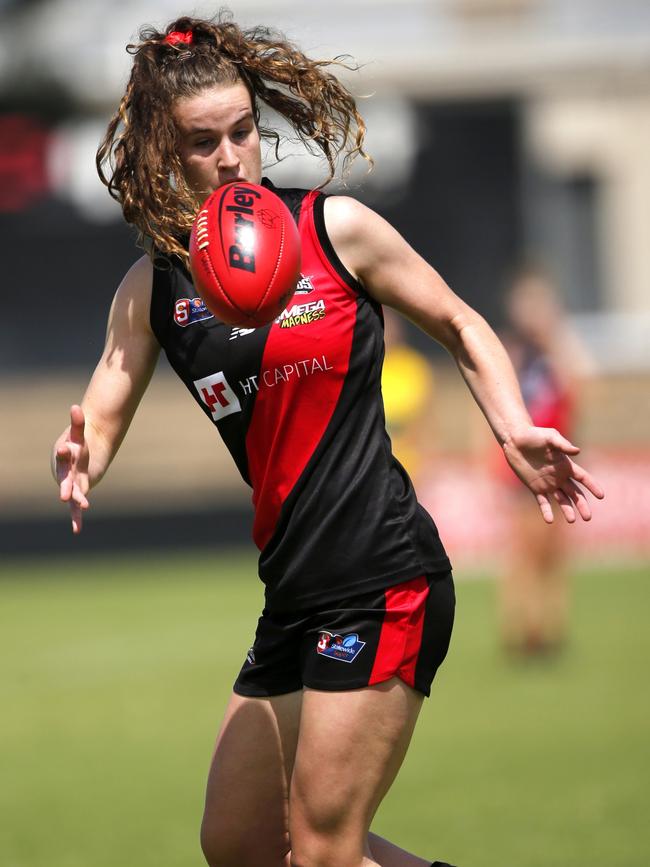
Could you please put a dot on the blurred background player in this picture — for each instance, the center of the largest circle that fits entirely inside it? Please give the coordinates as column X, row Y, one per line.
column 551, row 364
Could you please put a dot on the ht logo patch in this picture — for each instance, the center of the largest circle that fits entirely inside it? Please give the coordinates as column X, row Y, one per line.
column 217, row 395
column 344, row 648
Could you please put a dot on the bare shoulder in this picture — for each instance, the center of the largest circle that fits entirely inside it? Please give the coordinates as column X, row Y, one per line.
column 133, row 297
column 358, row 234
column 349, row 221
column 390, row 270
column 346, row 218
column 138, row 279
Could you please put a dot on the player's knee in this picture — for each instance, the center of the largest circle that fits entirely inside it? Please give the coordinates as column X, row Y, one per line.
column 326, row 842
column 320, row 813
column 227, row 847
column 312, row 853
column 323, row 850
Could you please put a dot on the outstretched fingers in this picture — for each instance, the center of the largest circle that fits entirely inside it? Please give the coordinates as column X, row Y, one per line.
column 66, row 456
column 79, row 497
column 545, row 507
column 78, row 503
column 77, row 424
column 561, row 443
column 77, row 509
column 63, row 466
column 567, row 502
column 557, row 477
column 570, row 497
column 69, row 470
column 586, row 479
column 577, row 497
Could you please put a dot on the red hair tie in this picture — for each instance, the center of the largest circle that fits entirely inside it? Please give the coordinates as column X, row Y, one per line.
column 176, row 37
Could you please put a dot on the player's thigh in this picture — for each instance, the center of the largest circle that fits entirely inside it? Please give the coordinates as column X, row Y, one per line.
column 350, row 748
column 245, row 821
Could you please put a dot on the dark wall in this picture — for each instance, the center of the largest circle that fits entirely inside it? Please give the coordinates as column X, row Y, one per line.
column 460, row 211
column 60, row 274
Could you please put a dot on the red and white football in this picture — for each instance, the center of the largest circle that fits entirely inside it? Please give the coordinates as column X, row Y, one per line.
column 245, row 254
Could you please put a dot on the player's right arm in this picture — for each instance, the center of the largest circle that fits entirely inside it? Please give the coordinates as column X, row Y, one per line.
column 84, row 451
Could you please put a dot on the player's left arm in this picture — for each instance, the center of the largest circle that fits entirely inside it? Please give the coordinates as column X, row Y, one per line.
column 394, row 274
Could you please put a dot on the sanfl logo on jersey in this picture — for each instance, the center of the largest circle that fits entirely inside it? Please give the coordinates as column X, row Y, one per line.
column 187, row 311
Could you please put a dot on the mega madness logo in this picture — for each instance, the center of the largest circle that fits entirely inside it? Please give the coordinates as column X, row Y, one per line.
column 297, row 314
column 302, row 314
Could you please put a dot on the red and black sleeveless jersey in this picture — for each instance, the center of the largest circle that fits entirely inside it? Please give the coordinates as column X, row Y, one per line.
column 298, row 404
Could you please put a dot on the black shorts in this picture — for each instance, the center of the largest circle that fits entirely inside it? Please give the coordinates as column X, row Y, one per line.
column 402, row 631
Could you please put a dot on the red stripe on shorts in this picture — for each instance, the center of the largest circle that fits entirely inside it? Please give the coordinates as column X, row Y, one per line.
column 401, row 632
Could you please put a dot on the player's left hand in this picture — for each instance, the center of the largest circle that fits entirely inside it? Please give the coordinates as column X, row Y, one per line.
column 543, row 460
column 71, row 459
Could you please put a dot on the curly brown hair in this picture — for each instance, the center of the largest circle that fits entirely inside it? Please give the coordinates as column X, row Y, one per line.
column 138, row 159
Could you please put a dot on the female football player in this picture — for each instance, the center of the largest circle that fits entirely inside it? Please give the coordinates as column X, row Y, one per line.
column 359, row 597
column 552, row 366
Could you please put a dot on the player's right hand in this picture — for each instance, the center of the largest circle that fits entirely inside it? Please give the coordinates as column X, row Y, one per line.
column 70, row 465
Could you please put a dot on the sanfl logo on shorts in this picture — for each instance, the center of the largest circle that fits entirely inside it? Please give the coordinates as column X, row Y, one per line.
column 345, row 648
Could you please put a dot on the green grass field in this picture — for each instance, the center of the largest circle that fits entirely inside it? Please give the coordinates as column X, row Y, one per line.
column 115, row 672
